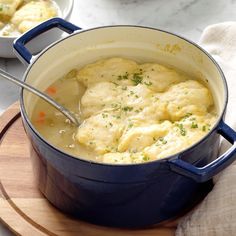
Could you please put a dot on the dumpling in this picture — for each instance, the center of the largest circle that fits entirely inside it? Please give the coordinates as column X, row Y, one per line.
column 116, row 70
column 159, row 78
column 98, row 97
column 100, row 133
column 155, row 112
column 137, row 138
column 8, row 8
column 136, row 96
column 182, row 134
column 189, row 97
column 33, row 13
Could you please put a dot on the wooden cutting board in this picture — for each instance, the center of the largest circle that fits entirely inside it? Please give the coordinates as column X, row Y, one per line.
column 24, row 209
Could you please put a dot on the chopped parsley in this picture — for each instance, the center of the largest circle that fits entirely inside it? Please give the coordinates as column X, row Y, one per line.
column 146, row 158
column 188, row 115
column 194, row 125
column 130, row 125
column 137, row 78
column 115, row 105
column 127, row 108
column 115, row 83
column 104, row 115
column 159, row 141
column 182, row 129
column 163, row 140
column 110, row 149
column 123, row 77
column 148, row 83
column 206, row 127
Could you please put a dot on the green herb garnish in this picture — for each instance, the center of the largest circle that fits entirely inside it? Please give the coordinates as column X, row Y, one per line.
column 182, row 129
column 194, row 125
column 127, row 108
column 148, row 83
column 137, row 78
column 104, row 115
column 160, row 141
column 188, row 115
column 115, row 83
column 130, row 125
column 163, row 140
column 123, row 77
column 146, row 158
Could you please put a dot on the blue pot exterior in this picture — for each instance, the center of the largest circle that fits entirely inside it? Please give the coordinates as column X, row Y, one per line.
column 120, row 196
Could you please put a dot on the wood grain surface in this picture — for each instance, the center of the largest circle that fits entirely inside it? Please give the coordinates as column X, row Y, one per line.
column 24, row 209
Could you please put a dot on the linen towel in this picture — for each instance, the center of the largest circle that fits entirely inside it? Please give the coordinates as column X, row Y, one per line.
column 216, row 214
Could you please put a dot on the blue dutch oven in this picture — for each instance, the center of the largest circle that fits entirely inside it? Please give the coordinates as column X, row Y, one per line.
column 133, row 195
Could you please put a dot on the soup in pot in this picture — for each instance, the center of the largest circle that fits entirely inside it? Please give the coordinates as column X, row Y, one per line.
column 129, row 112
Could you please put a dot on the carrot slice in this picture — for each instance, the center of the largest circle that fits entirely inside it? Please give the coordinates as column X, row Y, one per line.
column 51, row 90
column 42, row 114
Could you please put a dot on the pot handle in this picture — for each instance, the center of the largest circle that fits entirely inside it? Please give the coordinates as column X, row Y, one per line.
column 202, row 174
column 19, row 44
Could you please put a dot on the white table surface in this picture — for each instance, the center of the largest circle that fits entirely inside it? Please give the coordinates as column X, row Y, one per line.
column 185, row 17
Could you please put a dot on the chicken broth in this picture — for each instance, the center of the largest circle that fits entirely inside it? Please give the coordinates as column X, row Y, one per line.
column 53, row 125
column 129, row 112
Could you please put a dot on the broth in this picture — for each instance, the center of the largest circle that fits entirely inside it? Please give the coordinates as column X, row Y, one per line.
column 53, row 125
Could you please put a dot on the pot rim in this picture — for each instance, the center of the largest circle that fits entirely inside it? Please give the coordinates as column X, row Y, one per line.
column 77, row 158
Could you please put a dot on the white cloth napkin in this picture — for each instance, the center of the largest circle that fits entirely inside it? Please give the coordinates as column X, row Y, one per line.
column 216, row 215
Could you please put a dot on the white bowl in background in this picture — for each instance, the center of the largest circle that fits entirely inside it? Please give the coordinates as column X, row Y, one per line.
column 6, row 42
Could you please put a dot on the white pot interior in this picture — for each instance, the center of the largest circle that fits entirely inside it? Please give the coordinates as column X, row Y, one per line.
column 140, row 44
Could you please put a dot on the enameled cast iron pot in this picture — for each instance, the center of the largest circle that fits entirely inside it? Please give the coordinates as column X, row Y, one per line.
column 132, row 195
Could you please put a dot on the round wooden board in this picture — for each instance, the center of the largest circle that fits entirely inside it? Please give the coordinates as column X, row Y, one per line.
column 24, row 209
